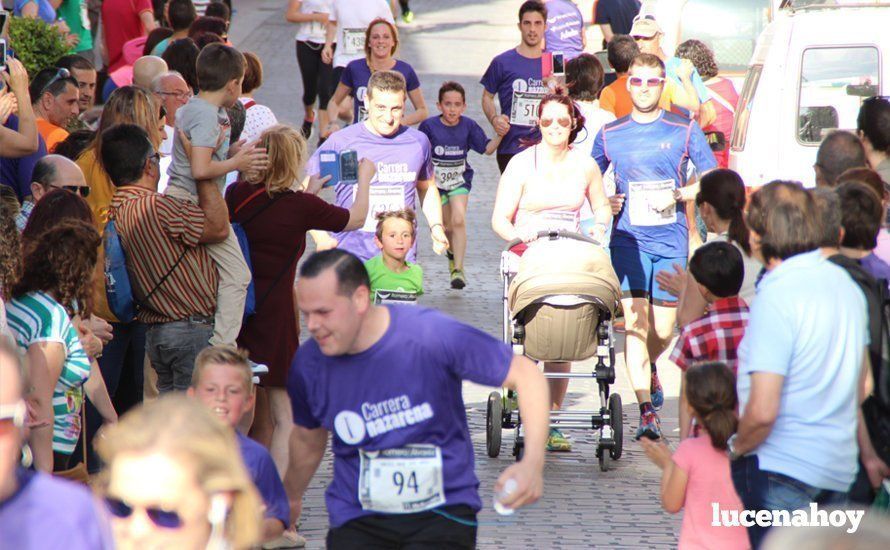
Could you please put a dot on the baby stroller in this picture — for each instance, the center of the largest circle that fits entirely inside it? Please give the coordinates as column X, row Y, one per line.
column 558, row 306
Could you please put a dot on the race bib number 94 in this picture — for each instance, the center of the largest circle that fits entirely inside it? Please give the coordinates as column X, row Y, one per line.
column 524, row 111
column 401, row 481
column 449, row 173
column 353, row 41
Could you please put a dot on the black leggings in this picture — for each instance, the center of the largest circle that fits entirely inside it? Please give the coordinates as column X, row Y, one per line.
column 404, row 5
column 317, row 75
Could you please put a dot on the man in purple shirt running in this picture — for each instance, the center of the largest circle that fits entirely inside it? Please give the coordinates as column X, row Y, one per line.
column 404, row 168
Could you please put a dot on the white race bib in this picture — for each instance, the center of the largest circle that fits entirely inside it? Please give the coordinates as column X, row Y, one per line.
column 555, row 220
column 524, row 111
column 381, row 198
column 645, row 197
column 449, row 173
column 401, row 481
column 395, row 297
column 353, row 41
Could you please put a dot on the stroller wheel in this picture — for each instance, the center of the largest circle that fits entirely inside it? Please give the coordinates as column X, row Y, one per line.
column 617, row 423
column 605, row 459
column 494, row 414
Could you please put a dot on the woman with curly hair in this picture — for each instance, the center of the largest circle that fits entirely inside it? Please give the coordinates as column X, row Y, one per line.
column 722, row 92
column 55, row 286
column 10, row 259
column 56, row 206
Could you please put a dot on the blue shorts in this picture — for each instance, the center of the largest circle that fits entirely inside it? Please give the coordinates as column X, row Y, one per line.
column 637, row 270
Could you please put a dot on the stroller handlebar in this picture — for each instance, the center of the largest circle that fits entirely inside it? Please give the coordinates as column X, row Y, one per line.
column 555, row 235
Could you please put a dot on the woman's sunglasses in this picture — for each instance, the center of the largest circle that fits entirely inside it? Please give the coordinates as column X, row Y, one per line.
column 565, row 122
column 161, row 518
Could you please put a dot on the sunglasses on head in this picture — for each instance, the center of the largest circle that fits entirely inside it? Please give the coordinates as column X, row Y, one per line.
column 565, row 122
column 60, row 74
column 652, row 82
column 165, row 519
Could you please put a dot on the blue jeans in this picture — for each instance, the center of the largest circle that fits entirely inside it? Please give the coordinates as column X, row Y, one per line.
column 173, row 347
column 762, row 490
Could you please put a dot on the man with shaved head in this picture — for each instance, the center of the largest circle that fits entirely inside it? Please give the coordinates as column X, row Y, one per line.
column 146, row 69
column 838, row 152
column 52, row 172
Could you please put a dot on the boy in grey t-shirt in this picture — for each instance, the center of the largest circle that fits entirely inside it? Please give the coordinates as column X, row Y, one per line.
column 205, row 155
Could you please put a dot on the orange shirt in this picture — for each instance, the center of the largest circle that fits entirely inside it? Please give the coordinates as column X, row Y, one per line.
column 51, row 133
column 616, row 99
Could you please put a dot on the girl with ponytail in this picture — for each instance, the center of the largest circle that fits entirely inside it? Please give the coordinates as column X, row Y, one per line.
column 721, row 201
column 697, row 475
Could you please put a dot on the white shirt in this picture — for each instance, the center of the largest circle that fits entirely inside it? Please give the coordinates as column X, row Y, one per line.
column 352, row 16
column 257, row 119
column 313, row 31
column 166, row 151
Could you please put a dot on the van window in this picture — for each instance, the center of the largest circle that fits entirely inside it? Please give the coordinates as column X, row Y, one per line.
column 833, row 83
column 730, row 29
column 743, row 109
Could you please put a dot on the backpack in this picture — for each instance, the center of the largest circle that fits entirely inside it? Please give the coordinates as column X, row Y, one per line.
column 876, row 407
column 118, row 286
column 250, row 302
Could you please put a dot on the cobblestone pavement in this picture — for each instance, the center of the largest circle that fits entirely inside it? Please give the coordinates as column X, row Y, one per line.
column 582, row 507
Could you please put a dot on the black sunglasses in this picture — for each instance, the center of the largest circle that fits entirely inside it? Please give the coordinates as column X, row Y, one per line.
column 83, row 191
column 165, row 519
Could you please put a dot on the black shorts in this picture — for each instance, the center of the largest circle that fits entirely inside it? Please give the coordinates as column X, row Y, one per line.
column 407, row 531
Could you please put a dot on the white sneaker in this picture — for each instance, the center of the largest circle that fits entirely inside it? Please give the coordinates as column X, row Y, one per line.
column 288, row 539
column 258, row 368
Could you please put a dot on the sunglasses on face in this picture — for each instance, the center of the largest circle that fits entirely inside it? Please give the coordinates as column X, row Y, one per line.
column 83, row 191
column 652, row 82
column 164, row 519
column 565, row 122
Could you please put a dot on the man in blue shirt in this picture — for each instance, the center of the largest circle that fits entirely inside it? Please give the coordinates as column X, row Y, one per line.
column 385, row 382
column 648, row 150
column 799, row 365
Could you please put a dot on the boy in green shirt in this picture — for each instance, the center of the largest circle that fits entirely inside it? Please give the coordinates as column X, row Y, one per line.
column 393, row 279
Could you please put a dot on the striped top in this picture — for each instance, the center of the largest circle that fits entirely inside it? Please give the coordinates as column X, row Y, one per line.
column 155, row 230
column 36, row 317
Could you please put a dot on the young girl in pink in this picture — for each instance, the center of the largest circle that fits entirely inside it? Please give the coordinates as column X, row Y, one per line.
column 696, row 478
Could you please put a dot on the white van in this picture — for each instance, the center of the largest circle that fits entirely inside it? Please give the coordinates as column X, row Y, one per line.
column 812, row 67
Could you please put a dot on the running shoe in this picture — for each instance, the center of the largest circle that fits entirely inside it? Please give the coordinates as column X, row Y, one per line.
column 450, row 257
column 656, row 391
column 258, row 369
column 408, row 17
column 557, row 442
column 458, row 280
column 650, row 426
column 306, row 129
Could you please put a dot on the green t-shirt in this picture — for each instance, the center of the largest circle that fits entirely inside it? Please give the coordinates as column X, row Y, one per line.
column 74, row 12
column 388, row 287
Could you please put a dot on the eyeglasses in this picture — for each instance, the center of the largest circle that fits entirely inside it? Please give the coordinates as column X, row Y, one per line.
column 565, row 122
column 12, row 417
column 166, row 519
column 652, row 82
column 82, row 190
column 60, row 74
column 178, row 95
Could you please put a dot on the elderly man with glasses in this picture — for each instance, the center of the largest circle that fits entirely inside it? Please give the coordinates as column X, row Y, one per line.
column 52, row 172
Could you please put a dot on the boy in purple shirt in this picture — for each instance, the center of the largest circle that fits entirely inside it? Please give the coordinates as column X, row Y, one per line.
column 404, row 168
column 452, row 136
column 223, row 381
column 384, row 384
column 515, row 76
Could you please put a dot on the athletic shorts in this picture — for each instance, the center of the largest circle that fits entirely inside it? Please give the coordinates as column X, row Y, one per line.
column 459, row 190
column 636, row 271
column 420, row 530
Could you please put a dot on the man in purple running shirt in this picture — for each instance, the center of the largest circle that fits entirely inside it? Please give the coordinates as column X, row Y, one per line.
column 565, row 29
column 384, row 384
column 515, row 76
column 404, row 168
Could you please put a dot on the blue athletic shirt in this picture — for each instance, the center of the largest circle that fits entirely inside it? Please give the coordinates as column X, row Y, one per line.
column 265, row 477
column 453, row 143
column 643, row 154
column 510, row 72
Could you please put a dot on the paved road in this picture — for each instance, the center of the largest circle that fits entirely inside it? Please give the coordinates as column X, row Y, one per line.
column 582, row 507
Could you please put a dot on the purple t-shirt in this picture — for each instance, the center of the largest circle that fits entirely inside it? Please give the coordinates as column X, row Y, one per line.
column 402, row 160
column 405, row 389
column 878, row 268
column 16, row 173
column 453, row 143
column 356, row 76
column 265, row 476
column 51, row 513
column 565, row 28
column 508, row 73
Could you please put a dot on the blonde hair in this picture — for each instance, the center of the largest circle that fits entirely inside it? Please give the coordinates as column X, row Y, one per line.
column 404, row 214
column 395, row 37
column 287, row 152
column 187, row 431
column 387, row 81
column 223, row 355
column 130, row 105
